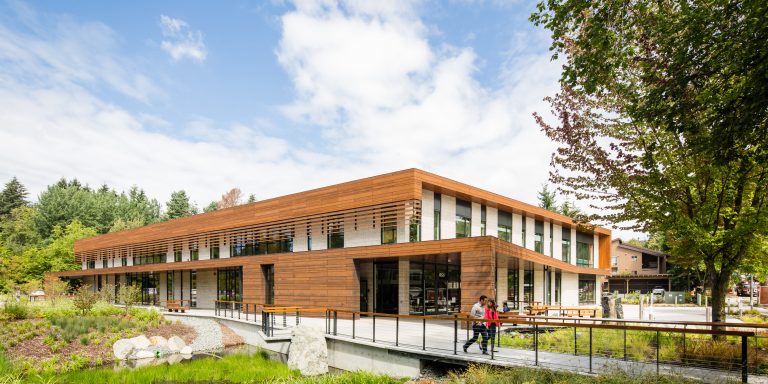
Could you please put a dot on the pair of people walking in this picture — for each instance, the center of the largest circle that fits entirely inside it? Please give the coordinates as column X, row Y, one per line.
column 484, row 309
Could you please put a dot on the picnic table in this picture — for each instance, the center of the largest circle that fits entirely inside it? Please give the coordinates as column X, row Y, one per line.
column 178, row 306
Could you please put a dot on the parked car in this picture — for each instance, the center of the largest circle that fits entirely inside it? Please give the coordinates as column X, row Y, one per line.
column 743, row 289
column 659, row 290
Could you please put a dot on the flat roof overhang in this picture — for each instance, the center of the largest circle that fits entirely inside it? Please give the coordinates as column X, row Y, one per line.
column 489, row 244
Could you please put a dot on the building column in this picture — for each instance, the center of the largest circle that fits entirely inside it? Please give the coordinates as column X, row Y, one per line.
column 501, row 279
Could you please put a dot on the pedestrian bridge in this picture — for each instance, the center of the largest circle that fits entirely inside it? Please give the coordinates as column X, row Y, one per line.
column 399, row 345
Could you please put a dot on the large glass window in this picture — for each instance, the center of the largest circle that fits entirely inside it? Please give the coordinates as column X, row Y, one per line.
column 177, row 256
column 193, row 289
column 91, row 264
column 169, row 285
column 538, row 237
column 438, row 209
column 272, row 243
column 414, row 232
column 528, row 286
column 586, row 289
column 558, row 287
column 584, row 245
column 547, row 286
column 124, row 261
column 388, row 229
column 105, row 263
column 148, row 283
column 434, row 287
column 513, row 287
column 229, row 284
column 215, row 252
column 505, row 226
column 309, row 238
column 650, row 261
column 566, row 245
column 336, row 234
column 463, row 218
column 551, row 240
column 523, row 229
column 194, row 254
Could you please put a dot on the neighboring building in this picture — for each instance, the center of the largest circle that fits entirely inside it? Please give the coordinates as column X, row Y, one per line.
column 407, row 242
column 637, row 269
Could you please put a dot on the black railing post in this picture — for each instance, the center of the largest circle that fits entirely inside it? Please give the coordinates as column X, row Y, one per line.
column 423, row 334
column 658, row 346
column 625, row 344
column 246, row 312
column 285, row 319
column 590, row 349
column 535, row 343
column 575, row 342
column 455, row 335
column 239, row 308
column 353, row 325
column 335, row 323
column 298, row 316
column 397, row 331
column 327, row 323
column 374, row 329
column 744, row 359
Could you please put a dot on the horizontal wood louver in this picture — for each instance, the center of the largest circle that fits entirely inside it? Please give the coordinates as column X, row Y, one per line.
column 394, row 213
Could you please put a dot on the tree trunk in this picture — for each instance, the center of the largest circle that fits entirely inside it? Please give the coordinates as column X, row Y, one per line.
column 719, row 282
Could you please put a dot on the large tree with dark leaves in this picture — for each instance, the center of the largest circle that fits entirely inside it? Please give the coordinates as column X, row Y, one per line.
column 662, row 120
column 14, row 195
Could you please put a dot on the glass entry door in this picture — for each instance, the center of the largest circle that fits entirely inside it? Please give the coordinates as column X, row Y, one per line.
column 434, row 288
column 386, row 287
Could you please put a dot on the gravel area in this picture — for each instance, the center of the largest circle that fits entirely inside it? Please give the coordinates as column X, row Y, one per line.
column 209, row 335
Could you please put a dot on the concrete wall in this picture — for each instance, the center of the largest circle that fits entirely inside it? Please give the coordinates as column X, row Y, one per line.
column 570, row 289
column 206, row 288
column 427, row 215
column 491, row 221
column 448, row 217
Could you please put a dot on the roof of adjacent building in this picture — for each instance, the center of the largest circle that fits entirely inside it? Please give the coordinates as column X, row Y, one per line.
column 635, row 248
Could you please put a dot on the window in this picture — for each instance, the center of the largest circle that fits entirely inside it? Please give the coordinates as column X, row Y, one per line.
column 528, row 286
column 215, row 252
column 505, row 226
column 336, row 234
column 388, row 229
column 566, row 245
column 151, row 259
column 169, row 285
column 229, row 284
column 513, row 287
column 194, row 254
column 547, row 286
column 193, row 289
column 124, row 261
column 551, row 240
column 482, row 220
column 584, row 247
column 586, row 289
column 105, row 263
column 463, row 218
column 414, row 232
column 91, row 264
column 309, row 238
column 177, row 256
column 523, row 233
column 438, row 208
column 614, row 261
column 558, row 287
column 634, row 259
column 538, row 237
column 650, row 261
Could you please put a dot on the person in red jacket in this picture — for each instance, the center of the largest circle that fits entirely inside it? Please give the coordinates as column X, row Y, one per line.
column 491, row 313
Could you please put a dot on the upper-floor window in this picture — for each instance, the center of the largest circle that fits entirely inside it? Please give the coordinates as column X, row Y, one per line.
column 194, row 254
column 105, row 263
column 482, row 220
column 414, row 232
column 215, row 252
column 463, row 218
column 336, row 234
column 523, row 232
column 91, row 264
column 566, row 245
column 551, row 240
column 309, row 238
column 438, row 209
column 150, row 259
column 584, row 245
column 505, row 226
column 177, row 255
column 388, row 229
column 614, row 261
column 124, row 261
column 650, row 261
column 538, row 237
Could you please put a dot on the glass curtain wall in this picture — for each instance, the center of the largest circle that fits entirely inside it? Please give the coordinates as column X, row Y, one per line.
column 538, row 237
column 513, row 286
column 586, row 289
column 505, row 226
column 148, row 282
column 558, row 287
column 528, row 285
column 169, row 285
column 434, row 287
column 584, row 245
column 229, row 284
column 566, row 245
column 438, row 209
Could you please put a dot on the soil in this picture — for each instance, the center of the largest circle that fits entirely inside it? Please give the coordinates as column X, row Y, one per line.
column 187, row 333
column 229, row 338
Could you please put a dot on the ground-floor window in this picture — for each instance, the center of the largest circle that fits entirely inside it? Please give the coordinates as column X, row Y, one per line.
column 169, row 285
column 528, row 286
column 434, row 287
column 558, row 287
column 193, row 289
column 547, row 286
column 229, row 284
column 148, row 282
column 586, row 289
column 513, row 287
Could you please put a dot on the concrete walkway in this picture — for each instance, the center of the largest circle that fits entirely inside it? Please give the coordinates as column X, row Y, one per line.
column 435, row 341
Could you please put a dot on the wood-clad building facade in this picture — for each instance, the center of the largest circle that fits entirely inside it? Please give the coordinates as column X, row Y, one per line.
column 407, row 242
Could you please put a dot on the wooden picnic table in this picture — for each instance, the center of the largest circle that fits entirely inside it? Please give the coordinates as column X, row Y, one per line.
column 176, row 305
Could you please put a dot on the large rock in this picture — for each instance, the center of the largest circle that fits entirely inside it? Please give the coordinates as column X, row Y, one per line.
column 186, row 350
column 308, row 351
column 144, row 354
column 122, row 349
column 176, row 344
column 158, row 341
column 140, row 342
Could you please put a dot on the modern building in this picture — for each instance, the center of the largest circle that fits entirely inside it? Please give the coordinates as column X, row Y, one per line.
column 637, row 269
column 408, row 242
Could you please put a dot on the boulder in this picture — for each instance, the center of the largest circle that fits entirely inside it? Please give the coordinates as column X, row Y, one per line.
column 144, row 354
column 187, row 350
column 158, row 341
column 175, row 358
column 308, row 351
column 140, row 342
column 176, row 344
column 122, row 349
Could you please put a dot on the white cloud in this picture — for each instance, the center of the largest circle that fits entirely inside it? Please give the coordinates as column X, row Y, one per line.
column 180, row 42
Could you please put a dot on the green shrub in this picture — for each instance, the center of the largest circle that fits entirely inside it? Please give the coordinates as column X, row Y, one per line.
column 16, row 311
column 84, row 340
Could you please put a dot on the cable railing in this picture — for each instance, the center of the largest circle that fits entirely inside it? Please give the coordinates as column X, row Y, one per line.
column 571, row 343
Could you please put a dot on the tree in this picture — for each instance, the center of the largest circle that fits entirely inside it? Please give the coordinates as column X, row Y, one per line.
column 19, row 229
column 120, row 225
column 547, row 199
column 63, row 202
column 14, row 195
column 211, row 207
column 54, row 289
column 84, row 298
column 129, row 295
column 251, row 198
column 230, row 199
column 568, row 208
column 58, row 255
column 179, row 206
column 663, row 123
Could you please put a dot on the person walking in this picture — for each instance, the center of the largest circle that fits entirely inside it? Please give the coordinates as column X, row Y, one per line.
column 478, row 326
column 492, row 314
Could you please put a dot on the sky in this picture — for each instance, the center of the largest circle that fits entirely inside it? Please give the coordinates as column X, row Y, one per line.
column 273, row 97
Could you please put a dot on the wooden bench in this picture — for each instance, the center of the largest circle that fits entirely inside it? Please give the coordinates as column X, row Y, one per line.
column 579, row 312
column 176, row 306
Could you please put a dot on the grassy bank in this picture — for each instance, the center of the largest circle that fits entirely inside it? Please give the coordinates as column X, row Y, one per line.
column 491, row 375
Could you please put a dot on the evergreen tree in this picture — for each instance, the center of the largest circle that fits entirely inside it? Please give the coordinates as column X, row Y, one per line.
column 179, row 206
column 251, row 198
column 14, row 195
column 547, row 199
column 211, row 207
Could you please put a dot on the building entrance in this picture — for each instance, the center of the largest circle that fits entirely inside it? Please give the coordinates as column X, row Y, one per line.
column 386, row 287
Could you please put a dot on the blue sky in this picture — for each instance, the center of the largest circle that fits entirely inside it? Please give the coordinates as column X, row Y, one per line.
column 272, row 97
